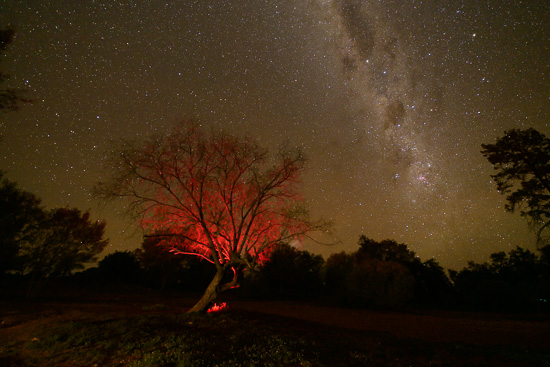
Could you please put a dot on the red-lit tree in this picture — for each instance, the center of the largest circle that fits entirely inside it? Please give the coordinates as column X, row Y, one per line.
column 212, row 195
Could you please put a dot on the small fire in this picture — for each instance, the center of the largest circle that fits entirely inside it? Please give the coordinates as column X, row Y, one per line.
column 217, row 308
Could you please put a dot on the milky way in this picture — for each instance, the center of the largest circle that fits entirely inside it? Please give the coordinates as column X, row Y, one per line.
column 390, row 100
column 386, row 101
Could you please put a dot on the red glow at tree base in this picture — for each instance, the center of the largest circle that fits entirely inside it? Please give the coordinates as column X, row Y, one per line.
column 217, row 308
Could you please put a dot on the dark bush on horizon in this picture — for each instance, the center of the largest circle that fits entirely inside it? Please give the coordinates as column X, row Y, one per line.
column 385, row 274
column 182, row 273
column 162, row 269
column 289, row 273
column 517, row 281
column 120, row 267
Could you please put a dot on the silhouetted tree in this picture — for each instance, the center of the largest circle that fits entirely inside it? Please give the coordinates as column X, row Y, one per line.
column 431, row 283
column 58, row 242
column 523, row 264
column 291, row 272
column 198, row 274
column 374, row 282
column 336, row 271
column 374, row 275
column 386, row 250
column 433, row 286
column 9, row 98
column 385, row 273
column 544, row 262
column 121, row 267
column 213, row 195
column 18, row 210
column 513, row 282
column 161, row 265
column 545, row 256
column 522, row 159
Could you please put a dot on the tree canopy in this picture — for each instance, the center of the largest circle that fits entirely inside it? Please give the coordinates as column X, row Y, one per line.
column 60, row 241
column 522, row 161
column 18, row 209
column 120, row 266
column 513, row 281
column 44, row 243
column 159, row 262
column 384, row 273
column 213, row 195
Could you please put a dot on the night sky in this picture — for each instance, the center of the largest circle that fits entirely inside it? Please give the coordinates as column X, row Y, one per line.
column 390, row 100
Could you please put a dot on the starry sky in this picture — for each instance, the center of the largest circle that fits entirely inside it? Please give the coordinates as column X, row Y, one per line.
column 390, row 100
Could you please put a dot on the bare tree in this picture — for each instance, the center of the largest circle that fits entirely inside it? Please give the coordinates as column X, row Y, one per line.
column 212, row 195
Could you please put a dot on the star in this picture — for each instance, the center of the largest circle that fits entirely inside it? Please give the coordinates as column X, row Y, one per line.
column 390, row 101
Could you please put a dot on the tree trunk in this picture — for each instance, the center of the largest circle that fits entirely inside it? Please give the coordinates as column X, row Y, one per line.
column 216, row 287
column 211, row 292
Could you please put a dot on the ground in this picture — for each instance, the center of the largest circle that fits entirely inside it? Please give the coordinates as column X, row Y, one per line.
column 146, row 328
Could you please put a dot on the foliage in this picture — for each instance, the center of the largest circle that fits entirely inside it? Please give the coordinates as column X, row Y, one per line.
column 522, row 159
column 386, row 274
column 120, row 266
column 371, row 276
column 163, row 266
column 373, row 282
column 386, row 250
column 61, row 240
column 289, row 273
column 433, row 286
column 197, row 274
column 18, row 209
column 545, row 256
column 44, row 243
column 513, row 281
column 212, row 195
column 337, row 268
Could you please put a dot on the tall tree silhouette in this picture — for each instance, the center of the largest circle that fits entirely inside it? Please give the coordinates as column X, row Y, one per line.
column 522, row 161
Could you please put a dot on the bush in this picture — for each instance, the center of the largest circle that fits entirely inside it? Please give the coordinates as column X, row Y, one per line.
column 289, row 273
column 120, row 266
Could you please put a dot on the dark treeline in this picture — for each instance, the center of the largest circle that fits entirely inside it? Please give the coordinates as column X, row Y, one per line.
column 515, row 281
column 41, row 248
column 382, row 274
column 377, row 275
column 387, row 274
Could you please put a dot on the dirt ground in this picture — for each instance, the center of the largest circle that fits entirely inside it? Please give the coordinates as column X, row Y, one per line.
column 526, row 332
column 19, row 320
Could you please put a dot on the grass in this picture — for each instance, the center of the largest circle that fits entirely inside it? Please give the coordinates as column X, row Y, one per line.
column 169, row 340
column 239, row 339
